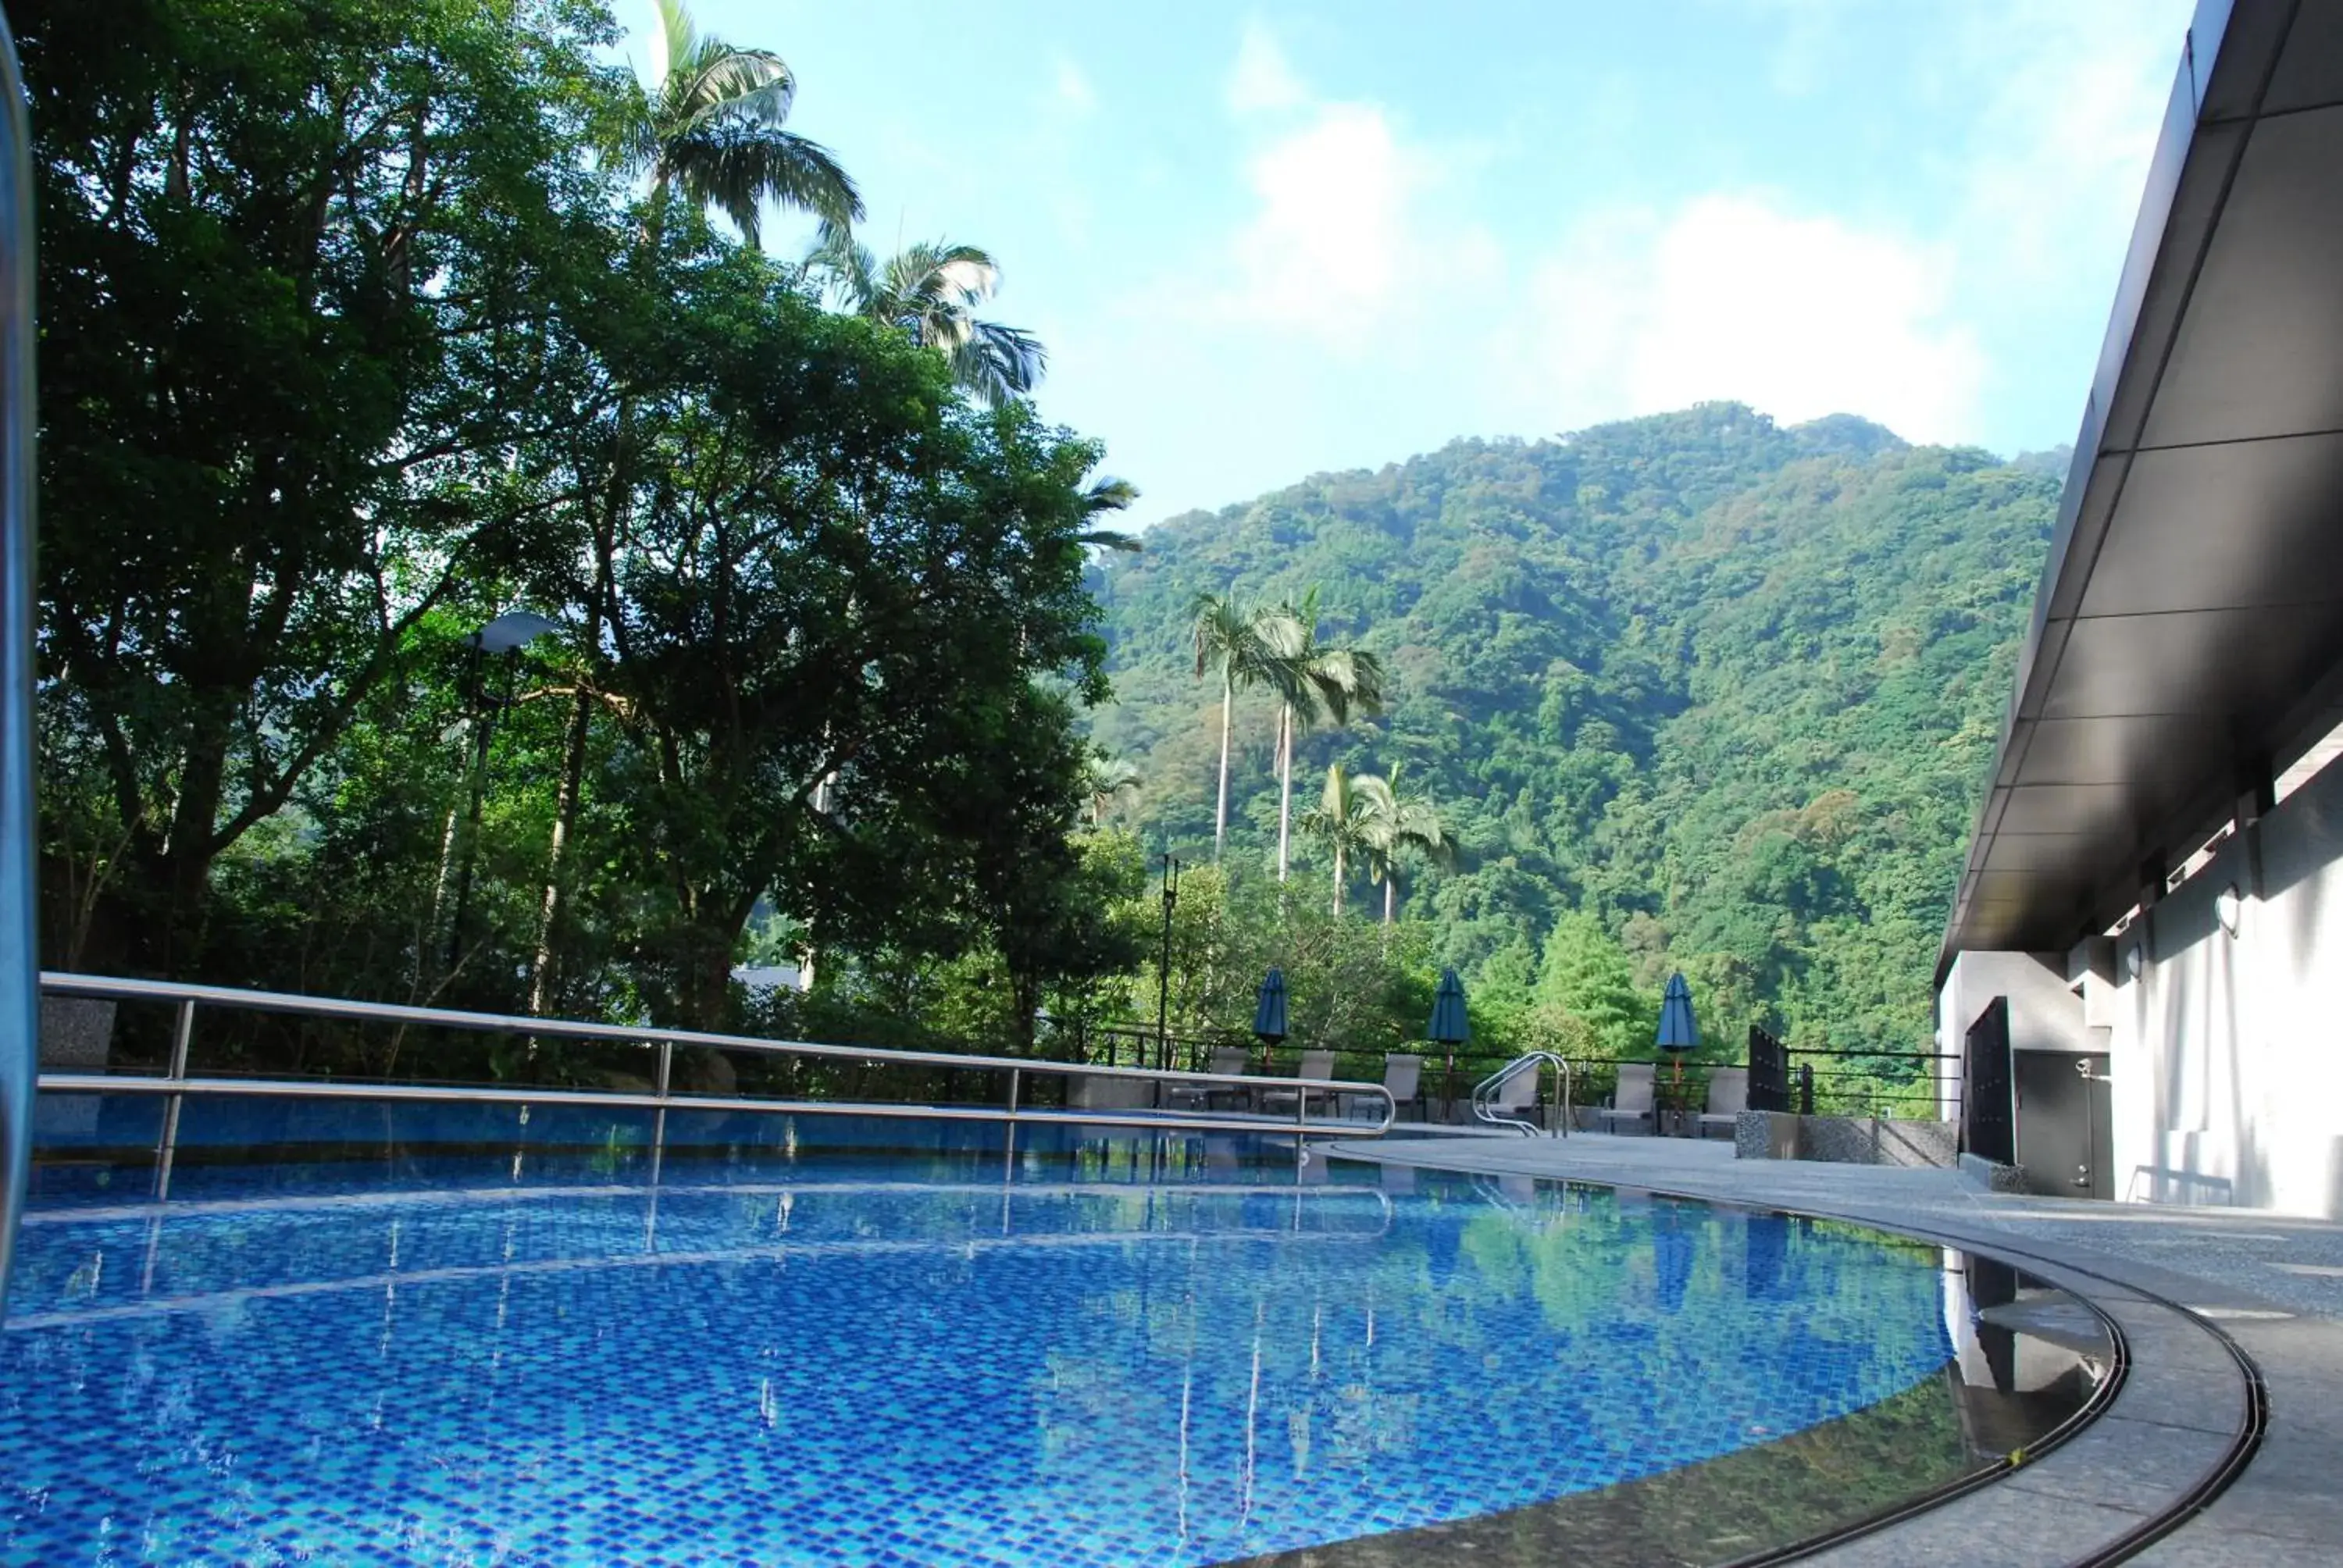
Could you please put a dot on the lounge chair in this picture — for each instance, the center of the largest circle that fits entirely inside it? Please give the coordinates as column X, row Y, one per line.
column 1632, row 1102
column 1728, row 1097
column 1402, row 1080
column 1226, row 1058
column 1314, row 1064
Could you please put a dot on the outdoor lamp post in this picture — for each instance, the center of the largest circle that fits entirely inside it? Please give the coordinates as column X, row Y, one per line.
column 1163, row 974
column 1448, row 1029
column 1678, row 1032
column 505, row 635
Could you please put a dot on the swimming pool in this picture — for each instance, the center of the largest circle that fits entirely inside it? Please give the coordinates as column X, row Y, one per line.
column 1090, row 1350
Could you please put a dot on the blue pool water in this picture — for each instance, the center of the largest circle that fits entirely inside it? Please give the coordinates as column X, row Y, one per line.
column 855, row 1356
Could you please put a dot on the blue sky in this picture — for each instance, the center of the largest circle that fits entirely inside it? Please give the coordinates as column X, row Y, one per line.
column 1262, row 241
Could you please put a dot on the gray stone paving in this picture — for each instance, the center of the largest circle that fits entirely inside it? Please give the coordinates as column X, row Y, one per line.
column 2273, row 1283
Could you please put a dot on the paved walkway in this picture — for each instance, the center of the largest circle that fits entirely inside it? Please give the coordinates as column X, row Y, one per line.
column 2178, row 1281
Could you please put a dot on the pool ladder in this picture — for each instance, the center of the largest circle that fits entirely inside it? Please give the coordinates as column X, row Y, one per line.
column 1485, row 1095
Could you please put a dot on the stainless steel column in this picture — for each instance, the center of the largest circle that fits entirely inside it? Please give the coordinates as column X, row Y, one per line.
column 19, row 961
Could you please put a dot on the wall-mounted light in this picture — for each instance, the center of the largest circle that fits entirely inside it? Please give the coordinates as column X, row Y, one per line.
column 2135, row 959
column 2228, row 907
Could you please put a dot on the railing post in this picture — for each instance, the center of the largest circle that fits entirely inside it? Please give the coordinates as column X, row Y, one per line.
column 1014, row 1075
column 183, row 1029
column 658, row 1121
column 20, row 978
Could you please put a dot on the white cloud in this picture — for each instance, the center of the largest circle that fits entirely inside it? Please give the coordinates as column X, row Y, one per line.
column 1072, row 88
column 1342, row 240
column 1728, row 296
column 2066, row 127
column 1261, row 80
column 1326, row 247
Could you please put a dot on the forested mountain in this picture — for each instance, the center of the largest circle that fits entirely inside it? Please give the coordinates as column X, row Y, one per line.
column 1726, row 687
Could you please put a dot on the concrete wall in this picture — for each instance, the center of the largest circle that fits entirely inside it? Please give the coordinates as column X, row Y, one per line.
column 2226, row 1050
column 2045, row 1013
column 2226, row 1046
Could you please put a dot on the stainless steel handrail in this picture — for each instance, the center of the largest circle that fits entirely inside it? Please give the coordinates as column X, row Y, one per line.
column 1485, row 1091
column 177, row 1080
column 20, row 1048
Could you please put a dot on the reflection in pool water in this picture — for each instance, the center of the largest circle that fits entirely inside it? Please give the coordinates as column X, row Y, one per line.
column 860, row 1358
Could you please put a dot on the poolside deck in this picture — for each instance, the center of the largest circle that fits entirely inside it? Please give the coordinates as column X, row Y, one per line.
column 2175, row 1278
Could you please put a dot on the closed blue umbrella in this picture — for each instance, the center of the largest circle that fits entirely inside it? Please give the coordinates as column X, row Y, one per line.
column 1269, row 1013
column 1677, row 1029
column 1449, row 1025
column 1678, row 1032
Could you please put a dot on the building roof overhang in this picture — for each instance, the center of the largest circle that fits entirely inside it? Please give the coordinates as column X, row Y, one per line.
column 2188, row 629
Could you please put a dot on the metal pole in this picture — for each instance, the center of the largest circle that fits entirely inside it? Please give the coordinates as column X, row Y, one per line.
column 20, row 982
column 1163, row 974
column 182, row 1030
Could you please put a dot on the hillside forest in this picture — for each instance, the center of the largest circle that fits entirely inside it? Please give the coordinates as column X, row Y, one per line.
column 1691, row 692
column 478, row 570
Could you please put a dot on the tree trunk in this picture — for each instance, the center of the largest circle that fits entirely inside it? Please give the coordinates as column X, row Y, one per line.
column 581, row 723
column 1228, row 707
column 1284, row 783
column 1338, row 876
column 565, row 821
column 182, row 870
column 1390, row 885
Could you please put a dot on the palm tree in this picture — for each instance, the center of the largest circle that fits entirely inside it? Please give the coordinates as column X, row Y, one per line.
column 1399, row 823
column 713, row 127
column 1319, row 681
column 1106, row 778
column 1344, row 816
column 931, row 291
column 1242, row 642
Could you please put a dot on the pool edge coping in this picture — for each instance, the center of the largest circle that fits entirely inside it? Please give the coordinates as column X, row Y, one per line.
column 1935, row 1526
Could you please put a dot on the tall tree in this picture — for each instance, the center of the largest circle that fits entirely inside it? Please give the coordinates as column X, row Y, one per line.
column 1586, row 975
column 713, row 129
column 1240, row 641
column 932, row 291
column 1313, row 681
column 835, row 569
column 1400, row 823
column 296, row 270
column 1344, row 818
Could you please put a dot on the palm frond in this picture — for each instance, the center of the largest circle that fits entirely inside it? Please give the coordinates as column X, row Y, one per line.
column 736, row 171
column 1223, row 632
column 711, row 127
column 1108, row 495
column 718, row 81
column 678, row 40
column 998, row 362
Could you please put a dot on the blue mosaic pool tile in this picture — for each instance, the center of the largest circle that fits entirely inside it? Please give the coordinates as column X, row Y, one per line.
column 847, row 1367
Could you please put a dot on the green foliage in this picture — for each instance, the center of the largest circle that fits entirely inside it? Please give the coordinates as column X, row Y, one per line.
column 1585, row 976
column 366, row 322
column 1724, row 689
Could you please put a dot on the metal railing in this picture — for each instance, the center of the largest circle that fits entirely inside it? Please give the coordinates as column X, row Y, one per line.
column 178, row 1081
column 1484, row 1094
column 19, row 1005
